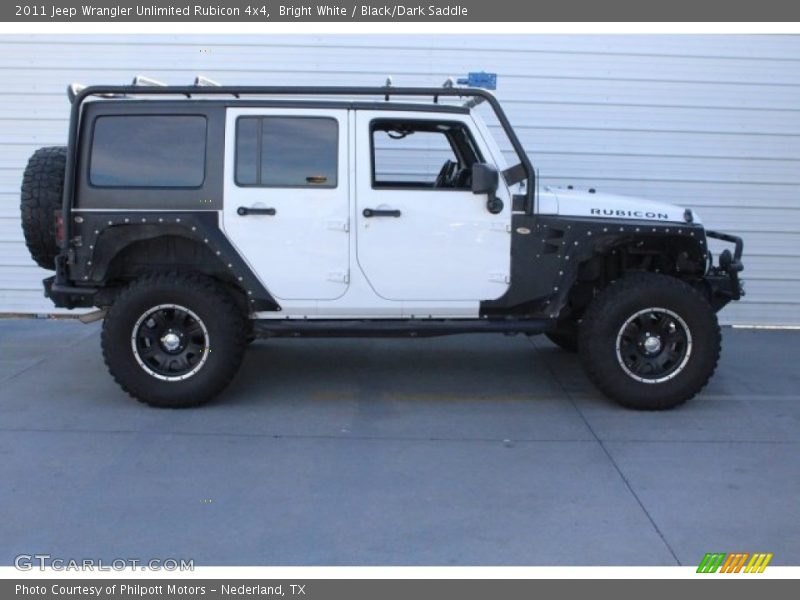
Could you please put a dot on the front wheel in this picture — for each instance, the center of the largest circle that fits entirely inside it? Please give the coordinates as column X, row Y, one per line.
column 173, row 340
column 649, row 341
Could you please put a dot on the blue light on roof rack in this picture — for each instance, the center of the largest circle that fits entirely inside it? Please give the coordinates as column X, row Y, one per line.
column 487, row 81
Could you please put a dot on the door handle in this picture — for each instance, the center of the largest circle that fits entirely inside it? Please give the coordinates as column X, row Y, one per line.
column 243, row 211
column 376, row 212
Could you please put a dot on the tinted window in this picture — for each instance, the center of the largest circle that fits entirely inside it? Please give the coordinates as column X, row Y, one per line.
column 422, row 155
column 287, row 151
column 148, row 151
column 416, row 158
column 247, row 133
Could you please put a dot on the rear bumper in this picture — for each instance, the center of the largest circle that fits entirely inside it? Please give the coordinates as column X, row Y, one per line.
column 723, row 278
column 67, row 296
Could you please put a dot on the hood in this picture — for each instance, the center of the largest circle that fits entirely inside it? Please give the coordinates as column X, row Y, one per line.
column 582, row 203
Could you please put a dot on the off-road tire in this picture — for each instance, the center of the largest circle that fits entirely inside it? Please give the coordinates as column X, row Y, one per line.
column 42, row 188
column 605, row 318
column 222, row 320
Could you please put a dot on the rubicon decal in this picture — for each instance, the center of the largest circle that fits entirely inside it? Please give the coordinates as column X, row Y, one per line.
column 631, row 214
column 735, row 562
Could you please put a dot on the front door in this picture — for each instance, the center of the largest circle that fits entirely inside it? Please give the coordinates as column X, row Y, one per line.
column 421, row 232
column 287, row 198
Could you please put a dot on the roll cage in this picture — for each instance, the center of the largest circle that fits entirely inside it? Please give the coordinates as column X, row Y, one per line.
column 475, row 96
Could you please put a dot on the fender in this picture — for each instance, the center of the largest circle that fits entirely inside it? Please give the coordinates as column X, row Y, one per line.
column 548, row 251
column 101, row 236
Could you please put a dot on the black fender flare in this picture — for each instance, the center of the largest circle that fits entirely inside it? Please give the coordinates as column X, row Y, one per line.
column 548, row 251
column 103, row 235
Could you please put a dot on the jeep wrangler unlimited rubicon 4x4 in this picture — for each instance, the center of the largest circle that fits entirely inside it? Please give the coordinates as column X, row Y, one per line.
column 197, row 218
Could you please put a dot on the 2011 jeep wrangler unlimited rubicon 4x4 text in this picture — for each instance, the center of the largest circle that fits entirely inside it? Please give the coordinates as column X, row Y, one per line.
column 196, row 218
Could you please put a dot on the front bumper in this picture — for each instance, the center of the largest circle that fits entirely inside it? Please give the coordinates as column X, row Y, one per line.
column 723, row 279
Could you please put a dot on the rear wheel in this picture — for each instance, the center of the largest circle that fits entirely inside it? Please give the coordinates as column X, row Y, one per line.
column 173, row 340
column 649, row 341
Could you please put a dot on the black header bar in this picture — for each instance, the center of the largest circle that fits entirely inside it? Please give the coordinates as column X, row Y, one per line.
column 262, row 11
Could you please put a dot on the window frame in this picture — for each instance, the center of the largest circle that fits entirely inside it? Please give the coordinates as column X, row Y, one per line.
column 90, row 156
column 259, row 152
column 412, row 185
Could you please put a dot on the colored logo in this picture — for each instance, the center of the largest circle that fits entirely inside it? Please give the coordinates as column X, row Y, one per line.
column 735, row 562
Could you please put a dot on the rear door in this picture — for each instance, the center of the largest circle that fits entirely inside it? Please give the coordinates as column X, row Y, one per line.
column 421, row 232
column 287, row 198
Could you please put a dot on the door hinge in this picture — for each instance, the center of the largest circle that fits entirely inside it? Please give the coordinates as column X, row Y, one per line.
column 339, row 276
column 499, row 277
column 500, row 226
column 339, row 225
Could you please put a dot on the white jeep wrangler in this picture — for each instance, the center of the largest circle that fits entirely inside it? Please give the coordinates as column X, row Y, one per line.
column 196, row 218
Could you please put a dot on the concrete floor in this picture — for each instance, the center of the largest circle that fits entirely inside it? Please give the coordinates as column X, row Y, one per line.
column 463, row 450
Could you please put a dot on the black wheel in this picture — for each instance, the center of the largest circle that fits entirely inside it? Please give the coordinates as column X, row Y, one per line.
column 649, row 341
column 42, row 187
column 173, row 340
column 565, row 337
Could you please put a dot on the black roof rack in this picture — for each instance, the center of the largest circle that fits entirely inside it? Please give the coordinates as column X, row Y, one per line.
column 474, row 96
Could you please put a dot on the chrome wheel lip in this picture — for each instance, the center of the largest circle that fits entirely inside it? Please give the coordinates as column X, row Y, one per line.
column 675, row 371
column 161, row 376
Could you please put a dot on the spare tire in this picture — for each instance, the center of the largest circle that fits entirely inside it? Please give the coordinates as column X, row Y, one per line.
column 42, row 187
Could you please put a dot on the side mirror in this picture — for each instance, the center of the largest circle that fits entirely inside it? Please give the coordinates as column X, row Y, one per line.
column 485, row 180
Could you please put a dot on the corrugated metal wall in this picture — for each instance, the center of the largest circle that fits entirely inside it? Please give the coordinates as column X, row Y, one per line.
column 709, row 121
